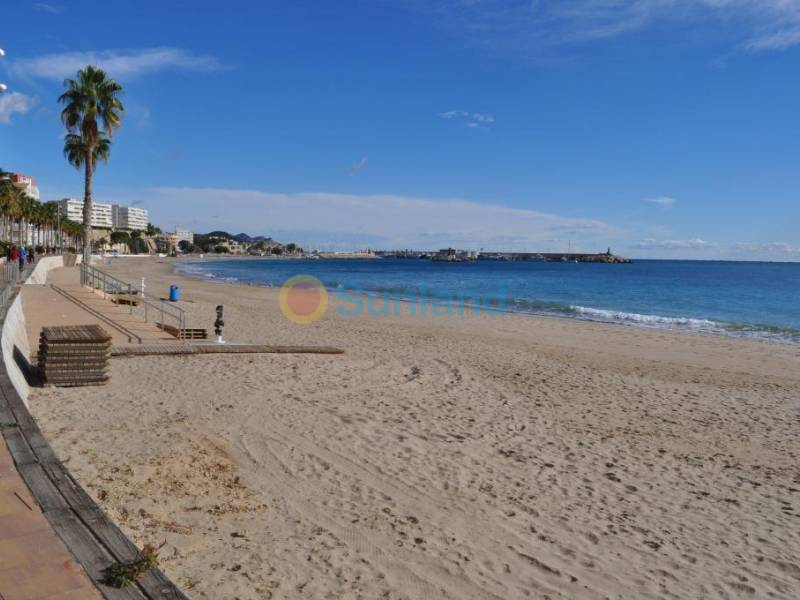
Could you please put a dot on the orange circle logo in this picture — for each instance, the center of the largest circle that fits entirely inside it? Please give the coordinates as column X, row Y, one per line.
column 303, row 299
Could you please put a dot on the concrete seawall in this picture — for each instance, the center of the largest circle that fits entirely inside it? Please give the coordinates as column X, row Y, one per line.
column 93, row 541
column 14, row 340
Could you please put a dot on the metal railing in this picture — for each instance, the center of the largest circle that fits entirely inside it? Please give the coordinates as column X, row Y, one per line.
column 11, row 276
column 110, row 322
column 11, row 272
column 5, row 295
column 108, row 284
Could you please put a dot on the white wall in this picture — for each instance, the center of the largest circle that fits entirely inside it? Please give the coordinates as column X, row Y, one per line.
column 14, row 332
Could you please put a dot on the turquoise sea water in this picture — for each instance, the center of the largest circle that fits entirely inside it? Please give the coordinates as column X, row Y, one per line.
column 737, row 298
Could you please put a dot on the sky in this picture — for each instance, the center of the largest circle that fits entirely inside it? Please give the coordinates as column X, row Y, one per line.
column 659, row 128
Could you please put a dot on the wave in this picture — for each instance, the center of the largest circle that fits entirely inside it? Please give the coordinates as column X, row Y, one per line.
column 655, row 320
column 749, row 330
column 550, row 308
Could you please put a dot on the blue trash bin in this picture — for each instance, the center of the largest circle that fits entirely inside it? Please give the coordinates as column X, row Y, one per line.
column 174, row 293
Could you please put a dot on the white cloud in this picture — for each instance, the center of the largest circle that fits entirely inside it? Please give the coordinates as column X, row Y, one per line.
column 358, row 165
column 693, row 244
column 118, row 63
column 774, row 250
column 15, row 102
column 751, row 25
column 664, row 201
column 378, row 221
column 470, row 119
column 701, row 249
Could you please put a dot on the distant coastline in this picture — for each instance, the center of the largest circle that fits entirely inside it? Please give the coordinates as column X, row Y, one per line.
column 573, row 291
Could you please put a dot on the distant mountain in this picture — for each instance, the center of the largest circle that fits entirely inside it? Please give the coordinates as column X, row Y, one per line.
column 239, row 237
column 218, row 234
column 243, row 237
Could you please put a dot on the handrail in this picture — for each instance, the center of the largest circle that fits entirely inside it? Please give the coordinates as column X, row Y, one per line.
column 108, row 321
column 11, row 277
column 100, row 280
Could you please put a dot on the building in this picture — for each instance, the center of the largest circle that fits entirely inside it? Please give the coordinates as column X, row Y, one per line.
column 72, row 209
column 26, row 183
column 182, row 235
column 233, row 246
column 129, row 217
column 453, row 255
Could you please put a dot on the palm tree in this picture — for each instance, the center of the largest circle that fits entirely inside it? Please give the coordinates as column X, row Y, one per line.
column 10, row 199
column 75, row 149
column 91, row 100
column 51, row 218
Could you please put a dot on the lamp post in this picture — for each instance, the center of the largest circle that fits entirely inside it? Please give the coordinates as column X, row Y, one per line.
column 60, row 235
column 3, row 86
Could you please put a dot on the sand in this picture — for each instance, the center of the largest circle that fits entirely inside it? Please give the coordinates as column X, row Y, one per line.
column 467, row 457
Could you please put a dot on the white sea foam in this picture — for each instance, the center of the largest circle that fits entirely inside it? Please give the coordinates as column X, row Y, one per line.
column 652, row 320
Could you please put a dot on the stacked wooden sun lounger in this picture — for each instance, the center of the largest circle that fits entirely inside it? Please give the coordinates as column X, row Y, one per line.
column 76, row 355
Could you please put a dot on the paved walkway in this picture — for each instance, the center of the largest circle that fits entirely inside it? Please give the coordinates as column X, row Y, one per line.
column 44, row 306
column 34, row 563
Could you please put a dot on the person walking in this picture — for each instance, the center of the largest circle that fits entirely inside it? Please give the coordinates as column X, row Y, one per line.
column 22, row 257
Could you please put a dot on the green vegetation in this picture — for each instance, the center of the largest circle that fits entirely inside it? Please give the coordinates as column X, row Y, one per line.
column 18, row 211
column 90, row 100
column 122, row 575
column 121, row 237
column 186, row 246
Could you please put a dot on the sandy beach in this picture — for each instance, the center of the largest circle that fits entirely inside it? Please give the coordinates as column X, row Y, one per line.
column 468, row 457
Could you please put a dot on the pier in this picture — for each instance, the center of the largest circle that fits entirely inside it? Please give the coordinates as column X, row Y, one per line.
column 452, row 255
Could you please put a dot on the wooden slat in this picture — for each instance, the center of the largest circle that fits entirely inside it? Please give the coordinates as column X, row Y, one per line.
column 71, row 356
column 75, row 496
column 154, row 582
column 18, row 447
column 47, row 495
column 167, row 349
column 92, row 557
column 72, row 333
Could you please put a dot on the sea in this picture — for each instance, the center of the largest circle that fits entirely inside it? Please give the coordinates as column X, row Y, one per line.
column 746, row 299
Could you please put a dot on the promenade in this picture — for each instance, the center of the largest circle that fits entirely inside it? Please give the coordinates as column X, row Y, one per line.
column 55, row 542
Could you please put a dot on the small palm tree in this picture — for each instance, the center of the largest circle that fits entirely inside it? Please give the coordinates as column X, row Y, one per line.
column 92, row 111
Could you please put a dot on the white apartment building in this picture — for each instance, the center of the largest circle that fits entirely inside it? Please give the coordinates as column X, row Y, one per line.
column 182, row 235
column 72, row 209
column 130, row 217
column 26, row 183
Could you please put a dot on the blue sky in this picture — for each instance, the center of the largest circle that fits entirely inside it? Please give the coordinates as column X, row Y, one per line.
column 661, row 128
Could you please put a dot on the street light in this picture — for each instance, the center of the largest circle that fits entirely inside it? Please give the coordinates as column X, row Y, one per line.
column 3, row 86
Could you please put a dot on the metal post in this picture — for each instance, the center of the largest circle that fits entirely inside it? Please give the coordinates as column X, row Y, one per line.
column 219, row 324
column 130, row 298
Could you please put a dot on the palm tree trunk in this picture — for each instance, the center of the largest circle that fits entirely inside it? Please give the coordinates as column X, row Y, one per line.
column 87, row 206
